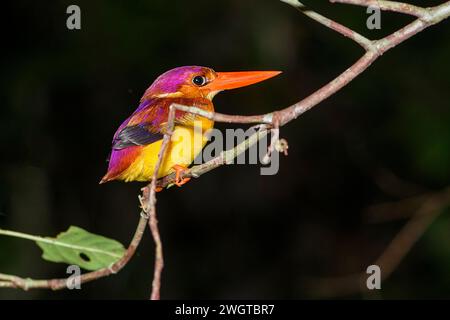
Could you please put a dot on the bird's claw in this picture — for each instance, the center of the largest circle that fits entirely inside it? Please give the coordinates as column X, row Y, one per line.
column 179, row 169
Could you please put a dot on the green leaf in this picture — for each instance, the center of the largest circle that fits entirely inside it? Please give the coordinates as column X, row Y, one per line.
column 85, row 249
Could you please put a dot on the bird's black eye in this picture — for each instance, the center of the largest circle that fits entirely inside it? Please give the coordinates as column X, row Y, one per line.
column 199, row 81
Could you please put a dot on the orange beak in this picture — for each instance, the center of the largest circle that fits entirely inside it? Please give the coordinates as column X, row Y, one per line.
column 232, row 80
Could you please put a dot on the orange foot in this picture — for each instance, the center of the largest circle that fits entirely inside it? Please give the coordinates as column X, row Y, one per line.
column 179, row 169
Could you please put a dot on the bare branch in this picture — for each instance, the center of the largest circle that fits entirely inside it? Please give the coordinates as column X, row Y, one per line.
column 393, row 6
column 220, row 117
column 151, row 209
column 345, row 31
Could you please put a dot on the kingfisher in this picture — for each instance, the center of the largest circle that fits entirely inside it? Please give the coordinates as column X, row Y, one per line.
column 137, row 141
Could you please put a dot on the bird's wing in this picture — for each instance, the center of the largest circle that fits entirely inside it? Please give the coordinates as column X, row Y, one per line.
column 136, row 135
column 147, row 124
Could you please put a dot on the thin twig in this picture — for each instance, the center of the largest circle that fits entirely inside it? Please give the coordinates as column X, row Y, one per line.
column 331, row 24
column 275, row 135
column 151, row 209
column 393, row 6
column 226, row 118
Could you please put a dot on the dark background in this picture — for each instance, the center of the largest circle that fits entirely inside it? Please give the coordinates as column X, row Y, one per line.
column 232, row 233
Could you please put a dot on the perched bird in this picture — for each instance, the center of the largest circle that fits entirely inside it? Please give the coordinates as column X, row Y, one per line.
column 137, row 141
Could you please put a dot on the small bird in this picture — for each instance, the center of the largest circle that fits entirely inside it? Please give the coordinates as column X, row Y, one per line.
column 137, row 141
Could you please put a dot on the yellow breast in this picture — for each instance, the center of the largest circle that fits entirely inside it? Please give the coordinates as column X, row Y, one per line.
column 186, row 143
